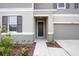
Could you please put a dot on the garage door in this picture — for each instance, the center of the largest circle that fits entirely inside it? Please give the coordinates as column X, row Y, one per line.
column 66, row 31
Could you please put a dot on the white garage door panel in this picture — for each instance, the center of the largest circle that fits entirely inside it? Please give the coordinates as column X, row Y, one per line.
column 66, row 31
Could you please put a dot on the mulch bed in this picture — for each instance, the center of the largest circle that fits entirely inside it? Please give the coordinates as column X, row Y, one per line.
column 16, row 51
column 55, row 44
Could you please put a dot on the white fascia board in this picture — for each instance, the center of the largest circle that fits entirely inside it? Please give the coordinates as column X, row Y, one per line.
column 65, row 14
column 57, row 15
column 15, row 9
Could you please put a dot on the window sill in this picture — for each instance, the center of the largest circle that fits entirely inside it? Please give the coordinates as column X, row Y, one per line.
column 61, row 8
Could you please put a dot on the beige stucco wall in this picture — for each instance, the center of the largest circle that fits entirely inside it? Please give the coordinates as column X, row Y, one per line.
column 27, row 26
column 26, row 36
column 66, row 18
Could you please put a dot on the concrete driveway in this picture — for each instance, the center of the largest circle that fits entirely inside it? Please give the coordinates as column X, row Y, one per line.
column 71, row 46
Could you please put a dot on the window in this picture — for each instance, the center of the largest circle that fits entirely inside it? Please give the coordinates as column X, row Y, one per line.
column 12, row 23
column 61, row 5
column 76, row 5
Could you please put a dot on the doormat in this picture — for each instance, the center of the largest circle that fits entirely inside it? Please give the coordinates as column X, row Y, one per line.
column 55, row 44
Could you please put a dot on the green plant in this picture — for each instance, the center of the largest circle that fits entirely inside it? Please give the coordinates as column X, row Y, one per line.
column 6, row 52
column 2, row 43
column 1, row 50
column 6, row 40
column 0, row 29
column 14, row 46
column 24, row 52
column 4, row 28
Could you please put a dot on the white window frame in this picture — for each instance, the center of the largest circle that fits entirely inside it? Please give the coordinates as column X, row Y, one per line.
column 61, row 7
column 8, row 23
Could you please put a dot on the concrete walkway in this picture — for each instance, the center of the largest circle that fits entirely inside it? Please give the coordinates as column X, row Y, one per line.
column 41, row 49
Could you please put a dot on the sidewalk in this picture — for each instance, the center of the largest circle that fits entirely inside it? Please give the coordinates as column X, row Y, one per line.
column 41, row 49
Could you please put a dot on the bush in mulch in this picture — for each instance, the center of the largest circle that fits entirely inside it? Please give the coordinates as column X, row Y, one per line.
column 23, row 50
column 5, row 45
column 7, row 48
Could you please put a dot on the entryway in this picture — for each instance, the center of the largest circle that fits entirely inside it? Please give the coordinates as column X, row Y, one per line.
column 40, row 27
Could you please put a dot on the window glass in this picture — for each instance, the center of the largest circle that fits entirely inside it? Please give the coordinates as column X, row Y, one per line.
column 12, row 23
column 60, row 4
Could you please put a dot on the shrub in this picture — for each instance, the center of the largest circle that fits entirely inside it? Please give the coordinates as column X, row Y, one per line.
column 1, row 50
column 24, row 52
column 14, row 46
column 6, row 52
column 4, row 28
column 0, row 29
column 2, row 43
column 5, row 45
column 5, row 40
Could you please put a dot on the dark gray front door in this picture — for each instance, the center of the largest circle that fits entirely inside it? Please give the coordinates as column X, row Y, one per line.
column 40, row 29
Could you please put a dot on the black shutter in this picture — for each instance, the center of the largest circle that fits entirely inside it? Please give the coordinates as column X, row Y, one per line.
column 4, row 23
column 55, row 5
column 67, row 5
column 19, row 23
column 76, row 5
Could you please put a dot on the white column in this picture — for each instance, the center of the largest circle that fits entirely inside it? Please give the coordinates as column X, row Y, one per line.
column 50, row 25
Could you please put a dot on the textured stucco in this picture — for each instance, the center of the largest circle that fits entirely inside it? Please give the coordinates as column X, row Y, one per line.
column 15, row 5
column 50, row 37
column 22, row 39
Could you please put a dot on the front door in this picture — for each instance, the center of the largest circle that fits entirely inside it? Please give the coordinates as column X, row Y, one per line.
column 40, row 29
